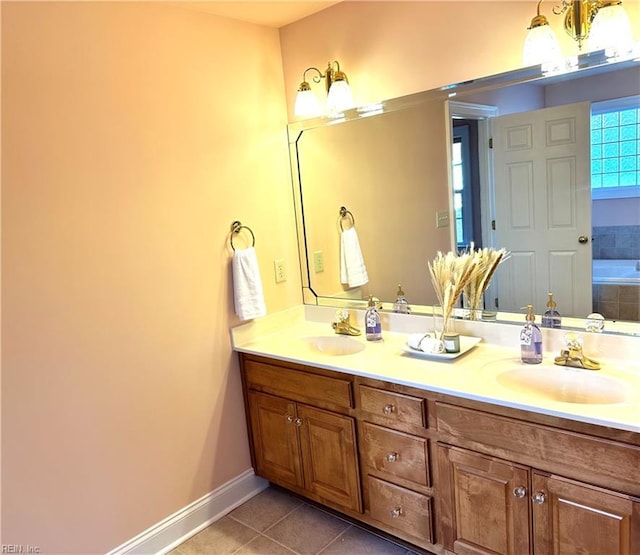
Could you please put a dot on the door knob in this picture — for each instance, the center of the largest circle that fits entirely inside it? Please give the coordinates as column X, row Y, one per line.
column 539, row 498
column 519, row 492
column 583, row 239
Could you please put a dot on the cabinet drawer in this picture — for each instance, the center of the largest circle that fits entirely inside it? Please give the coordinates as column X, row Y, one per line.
column 601, row 461
column 395, row 453
column 297, row 385
column 394, row 406
column 400, row 508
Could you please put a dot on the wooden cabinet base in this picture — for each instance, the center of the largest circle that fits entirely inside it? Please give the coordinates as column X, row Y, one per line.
column 474, row 478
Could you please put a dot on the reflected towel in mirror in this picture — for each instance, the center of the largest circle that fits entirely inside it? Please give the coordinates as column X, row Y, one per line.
column 247, row 286
column 352, row 269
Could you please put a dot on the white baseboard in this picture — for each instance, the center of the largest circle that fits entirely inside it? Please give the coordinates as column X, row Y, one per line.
column 188, row 521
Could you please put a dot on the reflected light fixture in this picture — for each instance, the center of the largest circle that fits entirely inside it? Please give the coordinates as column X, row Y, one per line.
column 603, row 22
column 339, row 95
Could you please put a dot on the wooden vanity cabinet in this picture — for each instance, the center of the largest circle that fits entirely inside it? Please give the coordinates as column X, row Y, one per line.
column 489, row 505
column 306, row 448
column 450, row 475
column 570, row 517
column 394, row 456
column 484, row 504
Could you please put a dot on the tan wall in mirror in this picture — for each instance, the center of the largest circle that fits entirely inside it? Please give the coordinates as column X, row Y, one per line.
column 126, row 155
column 394, row 209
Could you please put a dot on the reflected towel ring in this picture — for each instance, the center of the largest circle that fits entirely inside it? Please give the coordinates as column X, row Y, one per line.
column 345, row 213
column 236, row 227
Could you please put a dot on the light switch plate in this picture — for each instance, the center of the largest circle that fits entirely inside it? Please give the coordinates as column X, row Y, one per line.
column 318, row 262
column 280, row 270
column 442, row 218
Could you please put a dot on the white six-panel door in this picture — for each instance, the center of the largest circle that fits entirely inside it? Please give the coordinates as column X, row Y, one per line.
column 543, row 208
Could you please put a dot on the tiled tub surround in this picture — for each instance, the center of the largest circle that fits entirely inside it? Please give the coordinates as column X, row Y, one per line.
column 616, row 300
column 616, row 288
column 616, row 242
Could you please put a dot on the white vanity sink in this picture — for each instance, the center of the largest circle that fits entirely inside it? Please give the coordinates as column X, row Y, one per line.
column 335, row 345
column 566, row 385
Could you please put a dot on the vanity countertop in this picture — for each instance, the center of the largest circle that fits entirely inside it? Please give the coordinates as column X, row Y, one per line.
column 472, row 375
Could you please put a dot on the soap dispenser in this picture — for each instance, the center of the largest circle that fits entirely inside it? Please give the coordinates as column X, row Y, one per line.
column 401, row 304
column 551, row 317
column 372, row 321
column 531, row 339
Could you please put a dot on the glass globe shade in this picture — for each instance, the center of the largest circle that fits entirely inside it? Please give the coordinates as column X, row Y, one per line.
column 307, row 105
column 340, row 97
column 611, row 31
column 540, row 46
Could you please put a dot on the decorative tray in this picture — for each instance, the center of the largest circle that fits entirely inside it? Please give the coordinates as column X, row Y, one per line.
column 466, row 344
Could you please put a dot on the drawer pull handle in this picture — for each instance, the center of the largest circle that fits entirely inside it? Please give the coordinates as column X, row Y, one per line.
column 393, row 456
column 396, row 512
column 539, row 498
column 519, row 492
column 298, row 421
column 388, row 409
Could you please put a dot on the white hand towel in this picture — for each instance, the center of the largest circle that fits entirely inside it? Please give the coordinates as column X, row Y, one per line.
column 352, row 269
column 247, row 287
column 425, row 343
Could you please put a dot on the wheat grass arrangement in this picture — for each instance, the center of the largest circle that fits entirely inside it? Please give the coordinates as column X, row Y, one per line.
column 487, row 262
column 450, row 274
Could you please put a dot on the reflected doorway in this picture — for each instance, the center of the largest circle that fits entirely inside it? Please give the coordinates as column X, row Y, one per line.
column 466, row 183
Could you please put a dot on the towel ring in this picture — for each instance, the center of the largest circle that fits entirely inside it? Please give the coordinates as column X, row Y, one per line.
column 345, row 213
column 236, row 227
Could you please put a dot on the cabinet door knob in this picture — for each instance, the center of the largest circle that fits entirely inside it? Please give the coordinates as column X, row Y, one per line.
column 298, row 421
column 388, row 409
column 393, row 456
column 288, row 417
column 396, row 512
column 519, row 492
column 539, row 498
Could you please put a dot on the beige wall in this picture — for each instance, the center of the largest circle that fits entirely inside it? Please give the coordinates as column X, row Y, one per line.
column 390, row 49
column 132, row 136
column 394, row 209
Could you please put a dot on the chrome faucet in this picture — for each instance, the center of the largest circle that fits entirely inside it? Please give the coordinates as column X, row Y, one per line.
column 342, row 324
column 572, row 354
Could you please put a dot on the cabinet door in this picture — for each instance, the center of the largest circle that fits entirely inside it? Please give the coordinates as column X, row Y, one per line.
column 484, row 504
column 570, row 517
column 275, row 439
column 329, row 455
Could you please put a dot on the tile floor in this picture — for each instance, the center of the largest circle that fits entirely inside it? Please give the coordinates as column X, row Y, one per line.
column 277, row 523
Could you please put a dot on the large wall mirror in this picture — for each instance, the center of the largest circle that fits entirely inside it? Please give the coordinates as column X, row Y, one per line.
column 417, row 176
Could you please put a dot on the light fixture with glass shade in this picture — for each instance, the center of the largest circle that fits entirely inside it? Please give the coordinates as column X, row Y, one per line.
column 541, row 44
column 611, row 30
column 339, row 96
column 603, row 22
